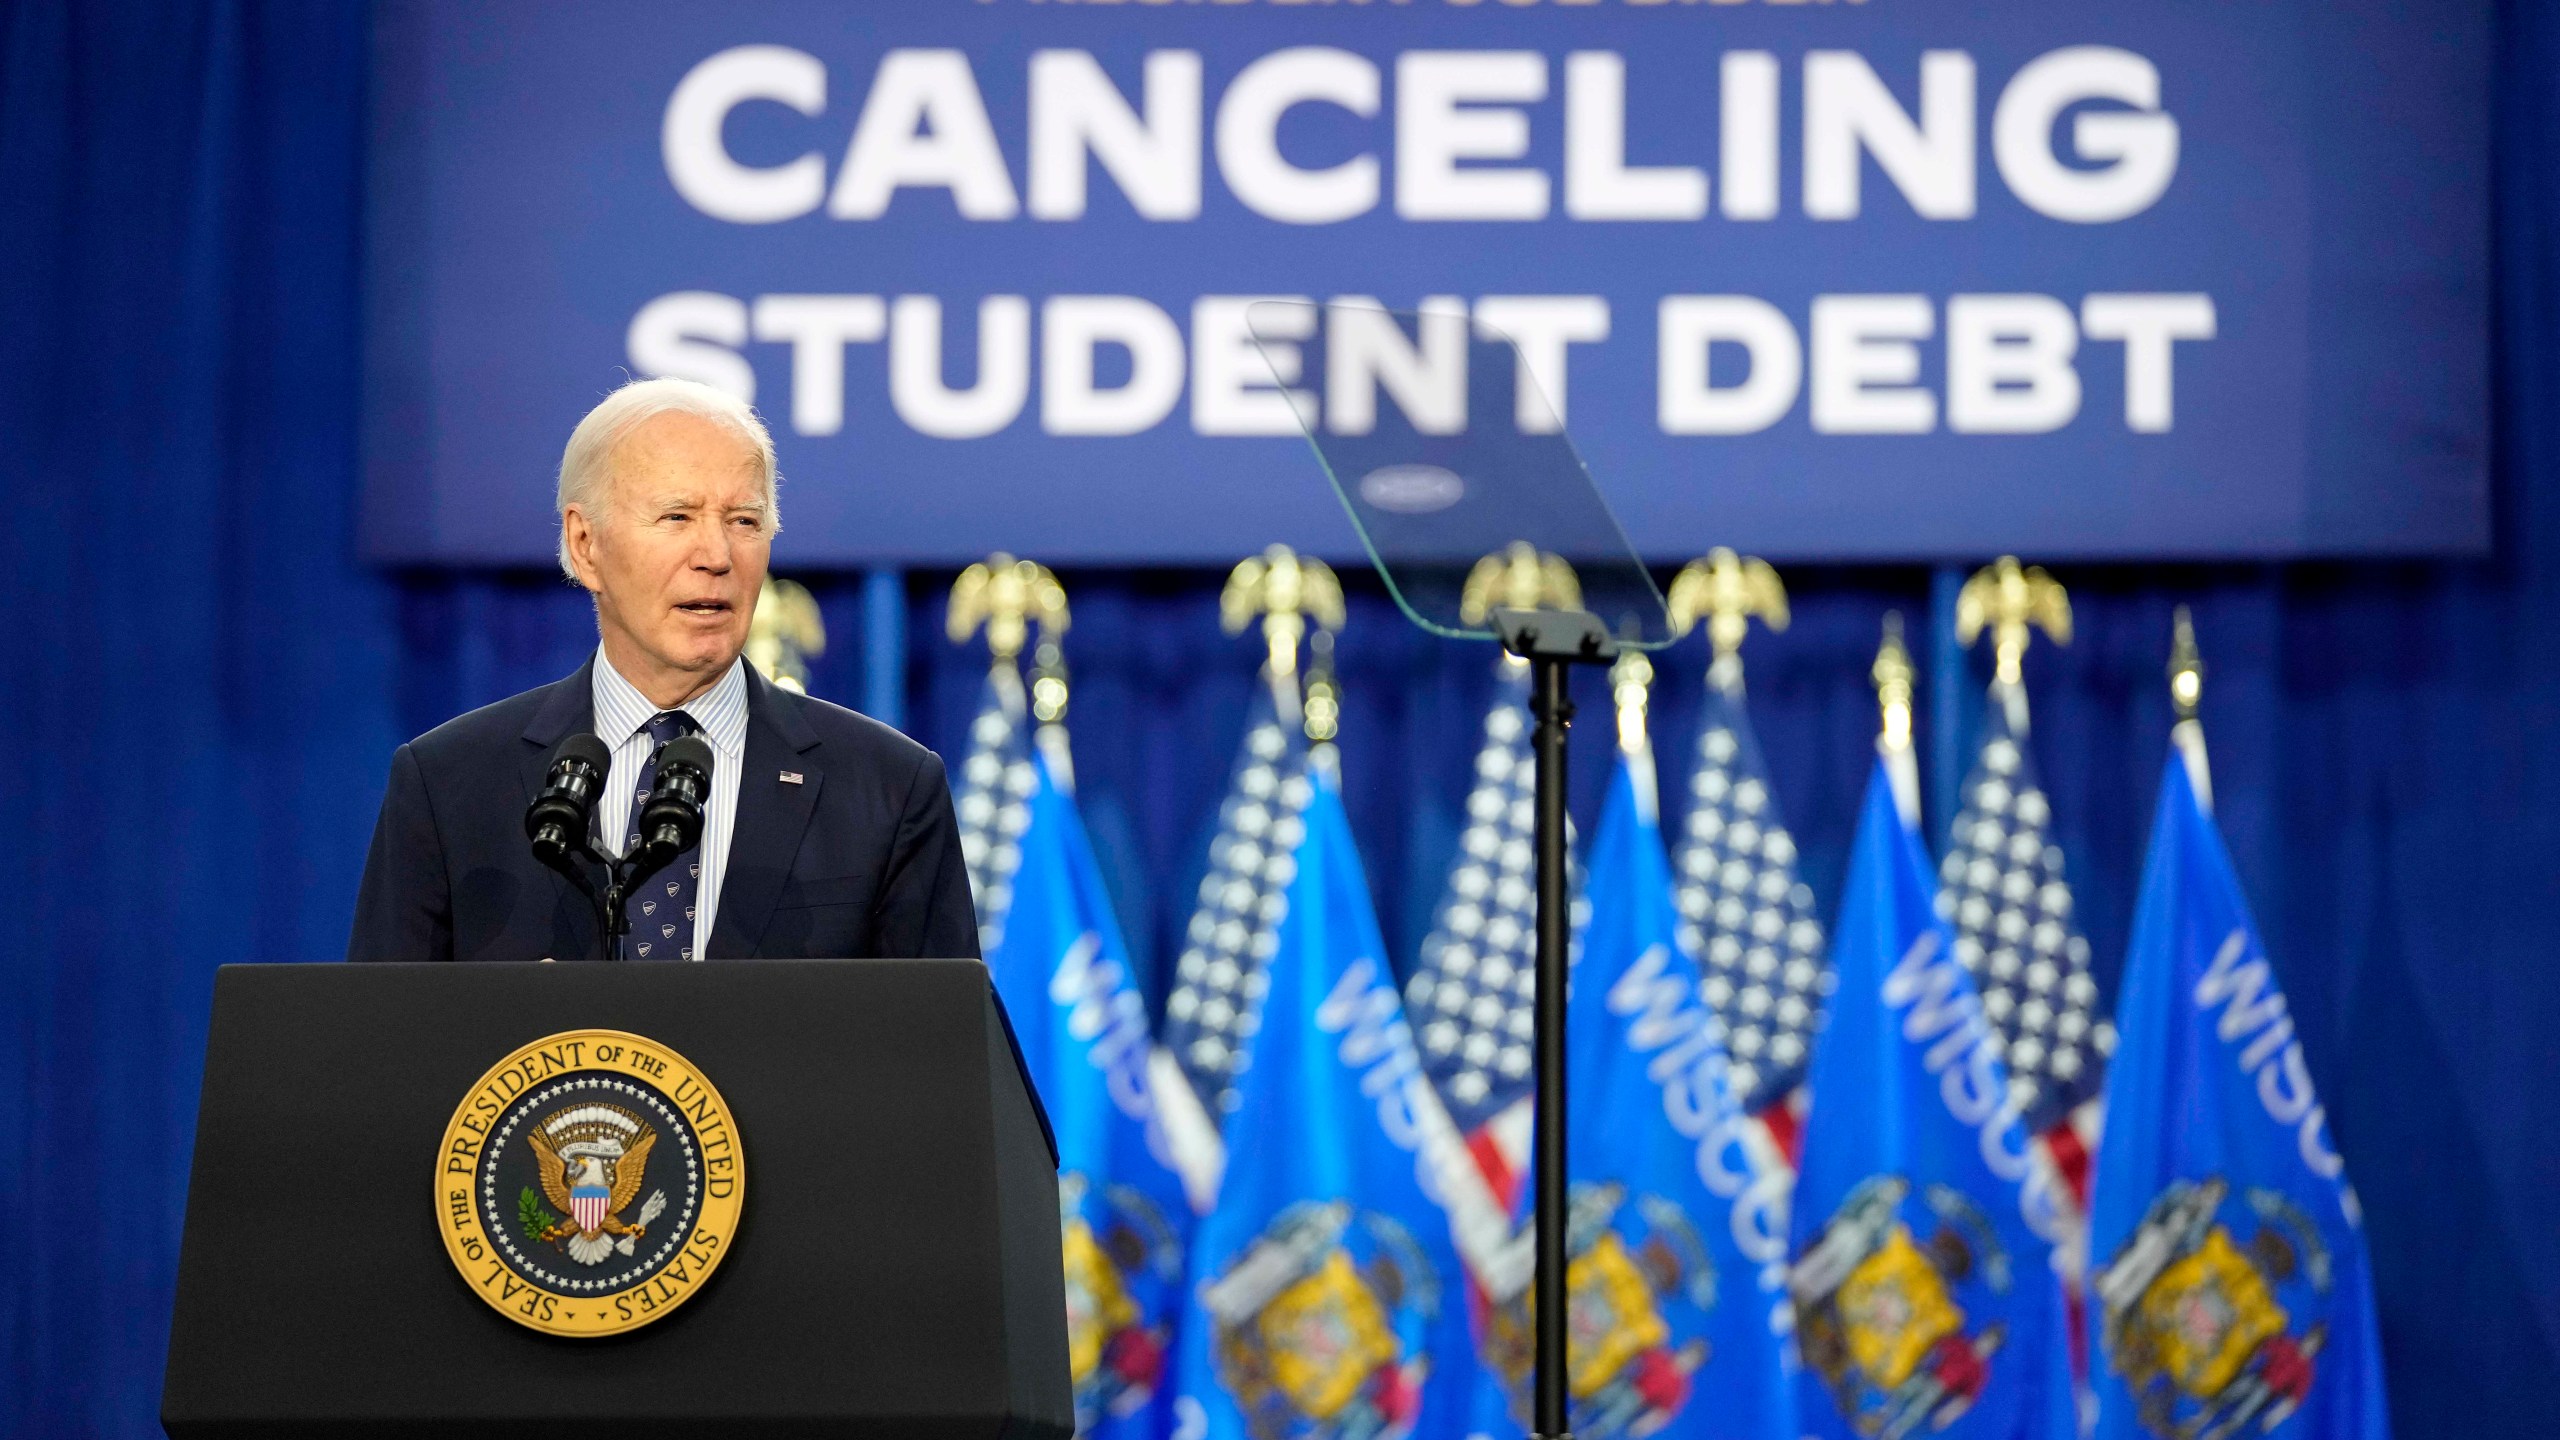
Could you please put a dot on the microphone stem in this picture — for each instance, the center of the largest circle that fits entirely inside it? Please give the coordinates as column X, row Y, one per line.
column 612, row 918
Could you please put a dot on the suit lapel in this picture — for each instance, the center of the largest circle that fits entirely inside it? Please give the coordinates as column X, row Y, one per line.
column 569, row 708
column 772, row 816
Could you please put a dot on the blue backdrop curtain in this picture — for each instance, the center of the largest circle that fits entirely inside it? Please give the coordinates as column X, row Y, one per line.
column 200, row 688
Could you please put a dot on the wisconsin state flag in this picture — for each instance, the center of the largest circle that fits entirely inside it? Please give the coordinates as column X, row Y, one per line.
column 2229, row 1290
column 1926, row 1297
column 1327, row 1298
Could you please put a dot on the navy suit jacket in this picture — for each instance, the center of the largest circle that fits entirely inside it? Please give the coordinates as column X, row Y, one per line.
column 858, row 859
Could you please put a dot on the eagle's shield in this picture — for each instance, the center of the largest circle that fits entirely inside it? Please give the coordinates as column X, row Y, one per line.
column 587, row 1205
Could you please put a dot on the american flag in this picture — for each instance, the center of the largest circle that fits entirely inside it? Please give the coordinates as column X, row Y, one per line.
column 1745, row 914
column 2001, row 887
column 1215, row 1007
column 994, row 800
column 1470, row 996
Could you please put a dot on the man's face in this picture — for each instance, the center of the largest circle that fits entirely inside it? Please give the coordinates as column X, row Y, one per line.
column 675, row 553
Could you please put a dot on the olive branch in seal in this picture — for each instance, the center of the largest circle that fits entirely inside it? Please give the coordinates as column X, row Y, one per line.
column 532, row 1218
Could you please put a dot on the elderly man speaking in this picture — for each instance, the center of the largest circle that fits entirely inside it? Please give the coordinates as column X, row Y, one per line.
column 826, row 834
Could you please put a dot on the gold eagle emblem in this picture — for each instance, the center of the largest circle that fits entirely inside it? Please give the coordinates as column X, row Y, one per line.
column 592, row 1159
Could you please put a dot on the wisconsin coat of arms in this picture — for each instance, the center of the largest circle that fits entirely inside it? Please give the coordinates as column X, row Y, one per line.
column 1316, row 1323
column 1124, row 1260
column 2194, row 1318
column 1625, row 1372
column 1879, row 1311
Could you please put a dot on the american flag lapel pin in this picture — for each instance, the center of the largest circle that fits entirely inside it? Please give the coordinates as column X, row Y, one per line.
column 790, row 777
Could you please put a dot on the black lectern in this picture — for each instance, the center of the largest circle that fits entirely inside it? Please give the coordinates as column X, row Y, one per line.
column 893, row 1267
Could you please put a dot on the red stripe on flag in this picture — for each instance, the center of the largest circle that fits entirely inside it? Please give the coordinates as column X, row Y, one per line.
column 1786, row 1129
column 2071, row 1158
column 2069, row 1152
column 1494, row 1165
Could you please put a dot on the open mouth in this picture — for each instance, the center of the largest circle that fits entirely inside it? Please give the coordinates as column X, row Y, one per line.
column 705, row 607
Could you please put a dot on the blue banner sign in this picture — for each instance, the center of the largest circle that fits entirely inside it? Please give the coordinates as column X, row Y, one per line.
column 1892, row 279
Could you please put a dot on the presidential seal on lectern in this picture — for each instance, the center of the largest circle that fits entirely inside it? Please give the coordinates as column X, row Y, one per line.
column 589, row 1183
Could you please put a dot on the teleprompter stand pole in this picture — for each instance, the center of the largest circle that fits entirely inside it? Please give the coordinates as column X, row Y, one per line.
column 1550, row 640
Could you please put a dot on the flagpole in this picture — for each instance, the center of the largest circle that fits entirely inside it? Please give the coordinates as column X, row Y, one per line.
column 1550, row 640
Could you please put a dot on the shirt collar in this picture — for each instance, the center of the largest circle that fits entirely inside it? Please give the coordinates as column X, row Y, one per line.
column 622, row 711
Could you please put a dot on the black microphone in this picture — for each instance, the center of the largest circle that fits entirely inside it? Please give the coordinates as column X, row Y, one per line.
column 557, row 822
column 671, row 823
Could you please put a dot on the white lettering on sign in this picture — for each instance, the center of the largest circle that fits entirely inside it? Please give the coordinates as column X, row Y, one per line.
column 1866, row 365
column 2008, row 363
column 1850, row 116
column 1073, row 329
column 1154, row 156
column 2147, row 324
column 1690, row 327
column 924, row 125
column 2129, row 156
column 1465, row 105
column 916, row 386
column 817, row 328
column 1463, row 123
column 699, row 163
column 2080, row 134
column 1541, row 327
column 1367, row 352
column 1249, row 156
column 1599, row 184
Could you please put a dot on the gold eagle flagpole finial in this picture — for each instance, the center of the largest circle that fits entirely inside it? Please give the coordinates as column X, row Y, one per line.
column 1286, row 590
column 785, row 630
column 1726, row 590
column 1005, row 595
column 2186, row 667
column 1518, row 577
column 2007, row 598
column 1631, row 686
column 2186, row 694
column 1893, row 675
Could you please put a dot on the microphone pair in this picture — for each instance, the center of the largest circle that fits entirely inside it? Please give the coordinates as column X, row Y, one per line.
column 562, row 816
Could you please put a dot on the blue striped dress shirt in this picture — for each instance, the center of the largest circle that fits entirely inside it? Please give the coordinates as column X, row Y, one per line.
column 622, row 722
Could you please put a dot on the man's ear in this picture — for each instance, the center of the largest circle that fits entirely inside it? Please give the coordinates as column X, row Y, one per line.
column 581, row 538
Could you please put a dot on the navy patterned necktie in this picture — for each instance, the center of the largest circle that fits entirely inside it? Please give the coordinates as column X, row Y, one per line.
column 661, row 910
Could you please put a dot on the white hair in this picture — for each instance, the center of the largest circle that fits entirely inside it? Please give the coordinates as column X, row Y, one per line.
column 586, row 463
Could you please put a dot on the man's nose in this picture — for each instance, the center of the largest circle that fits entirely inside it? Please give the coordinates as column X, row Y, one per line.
column 711, row 550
